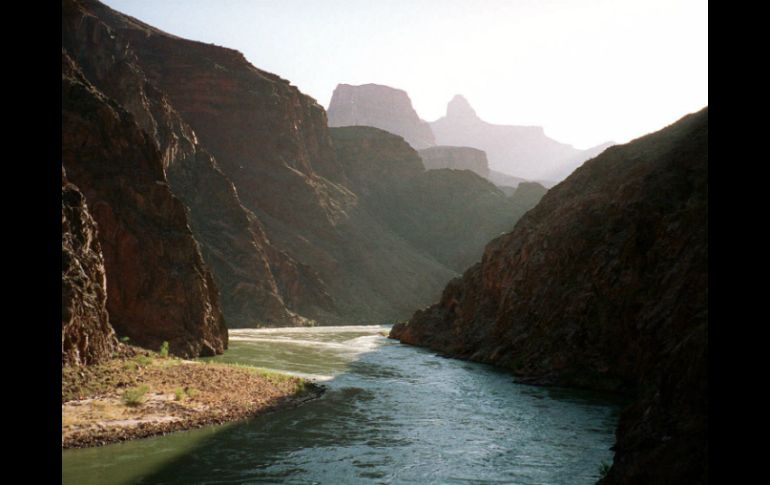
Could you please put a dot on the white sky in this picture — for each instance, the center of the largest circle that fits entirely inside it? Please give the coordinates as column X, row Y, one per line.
column 589, row 71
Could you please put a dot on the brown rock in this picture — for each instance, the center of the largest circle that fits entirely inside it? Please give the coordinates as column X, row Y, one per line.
column 158, row 288
column 314, row 248
column 604, row 285
column 87, row 337
column 231, row 238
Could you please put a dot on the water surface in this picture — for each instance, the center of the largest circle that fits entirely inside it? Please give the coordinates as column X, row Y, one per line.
column 392, row 414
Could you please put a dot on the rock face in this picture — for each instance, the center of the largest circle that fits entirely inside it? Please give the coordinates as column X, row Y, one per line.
column 528, row 194
column 523, row 151
column 158, row 288
column 86, row 335
column 284, row 219
column 381, row 107
column 604, row 285
column 447, row 215
column 260, row 284
column 458, row 158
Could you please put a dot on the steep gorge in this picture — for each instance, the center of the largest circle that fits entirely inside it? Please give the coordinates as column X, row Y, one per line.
column 158, row 288
column 434, row 210
column 277, row 229
column 231, row 239
column 603, row 285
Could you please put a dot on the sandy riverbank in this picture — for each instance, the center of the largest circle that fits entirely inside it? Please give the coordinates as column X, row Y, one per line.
column 104, row 403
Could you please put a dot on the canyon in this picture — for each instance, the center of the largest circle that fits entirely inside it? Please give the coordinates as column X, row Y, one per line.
column 504, row 154
column 201, row 194
column 276, row 224
column 603, row 285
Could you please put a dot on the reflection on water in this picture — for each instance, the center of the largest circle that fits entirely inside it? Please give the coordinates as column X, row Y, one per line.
column 392, row 414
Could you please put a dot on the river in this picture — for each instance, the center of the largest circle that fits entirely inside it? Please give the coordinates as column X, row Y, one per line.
column 392, row 414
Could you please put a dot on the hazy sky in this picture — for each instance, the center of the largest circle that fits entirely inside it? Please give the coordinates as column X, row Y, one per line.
column 587, row 70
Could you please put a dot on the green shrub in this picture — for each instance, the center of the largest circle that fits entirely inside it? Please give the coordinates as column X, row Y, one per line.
column 124, row 339
column 135, row 395
column 178, row 394
column 191, row 391
column 143, row 360
column 604, row 469
column 164, row 350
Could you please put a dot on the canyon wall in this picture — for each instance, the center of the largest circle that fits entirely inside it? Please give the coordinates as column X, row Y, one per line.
column 382, row 107
column 220, row 197
column 604, row 285
column 158, row 288
column 87, row 336
column 447, row 215
column 458, row 158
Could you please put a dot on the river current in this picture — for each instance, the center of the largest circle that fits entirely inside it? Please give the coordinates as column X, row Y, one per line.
column 392, row 413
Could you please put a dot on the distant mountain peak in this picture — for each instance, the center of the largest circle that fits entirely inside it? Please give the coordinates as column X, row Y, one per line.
column 459, row 107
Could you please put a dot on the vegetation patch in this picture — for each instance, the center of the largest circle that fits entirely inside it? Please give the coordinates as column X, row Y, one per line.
column 164, row 350
column 135, row 395
column 144, row 394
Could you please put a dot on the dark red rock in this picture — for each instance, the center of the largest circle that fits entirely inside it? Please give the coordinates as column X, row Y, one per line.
column 158, row 288
column 240, row 144
column 330, row 259
column 604, row 285
column 231, row 238
column 86, row 335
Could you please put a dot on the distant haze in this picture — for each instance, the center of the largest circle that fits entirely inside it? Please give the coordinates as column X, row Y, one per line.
column 587, row 71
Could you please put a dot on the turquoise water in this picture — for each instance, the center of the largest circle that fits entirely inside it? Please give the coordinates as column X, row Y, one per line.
column 392, row 414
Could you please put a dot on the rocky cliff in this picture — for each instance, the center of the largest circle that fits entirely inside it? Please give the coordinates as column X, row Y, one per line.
column 381, row 107
column 457, row 158
column 527, row 194
column 523, row 151
column 259, row 283
column 287, row 231
column 604, row 285
column 86, row 334
column 158, row 288
column 341, row 263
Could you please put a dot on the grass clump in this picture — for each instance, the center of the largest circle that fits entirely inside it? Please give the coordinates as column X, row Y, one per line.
column 178, row 394
column 191, row 392
column 143, row 360
column 164, row 350
column 124, row 339
column 135, row 395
